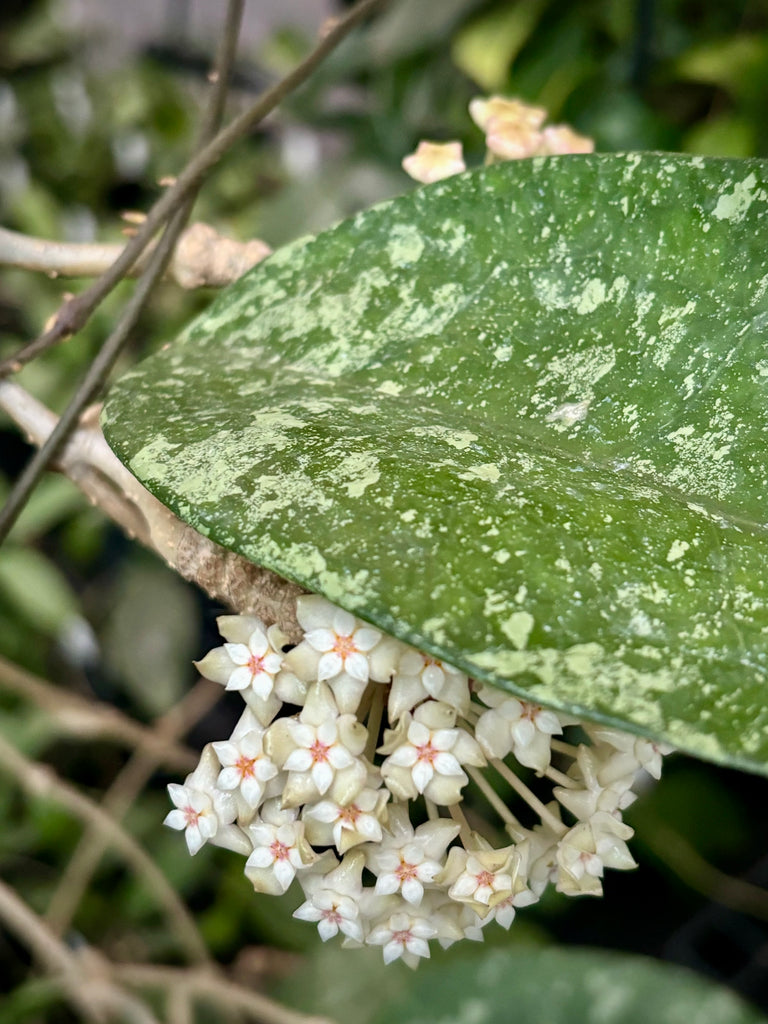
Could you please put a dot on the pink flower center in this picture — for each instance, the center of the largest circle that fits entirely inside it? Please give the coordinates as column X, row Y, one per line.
column 403, row 937
column 405, row 871
column 332, row 915
column 344, row 646
column 426, row 752
column 191, row 817
column 255, row 664
column 319, row 751
column 349, row 815
column 279, row 850
column 245, row 765
column 485, row 878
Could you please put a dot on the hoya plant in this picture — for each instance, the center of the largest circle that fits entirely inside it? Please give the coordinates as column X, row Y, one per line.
column 506, row 431
column 475, row 479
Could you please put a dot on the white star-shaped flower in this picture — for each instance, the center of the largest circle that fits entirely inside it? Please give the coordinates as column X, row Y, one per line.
column 427, row 752
column 518, row 726
column 403, row 936
column 317, row 747
column 346, row 825
column 336, row 649
column 251, row 662
column 418, row 677
column 245, row 768
column 317, row 751
column 279, row 850
column 638, row 752
column 201, row 810
column 425, row 755
column 407, row 860
column 482, row 882
column 333, row 899
column 433, row 161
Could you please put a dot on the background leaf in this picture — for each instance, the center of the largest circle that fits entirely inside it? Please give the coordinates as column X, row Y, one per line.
column 551, row 986
column 517, row 419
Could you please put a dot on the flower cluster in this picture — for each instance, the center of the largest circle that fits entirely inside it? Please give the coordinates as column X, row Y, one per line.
column 348, row 768
column 512, row 130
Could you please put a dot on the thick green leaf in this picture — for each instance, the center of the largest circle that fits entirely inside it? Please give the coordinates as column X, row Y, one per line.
column 552, row 986
column 514, row 983
column 517, row 418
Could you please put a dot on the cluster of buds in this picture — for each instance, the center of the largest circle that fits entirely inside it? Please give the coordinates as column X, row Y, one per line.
column 513, row 130
column 348, row 772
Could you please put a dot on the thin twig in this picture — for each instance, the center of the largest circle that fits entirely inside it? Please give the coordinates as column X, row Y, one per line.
column 77, row 311
column 89, row 462
column 97, row 373
column 81, row 976
column 202, row 985
column 118, row 800
column 42, row 782
column 202, row 257
column 47, row 949
column 93, row 719
column 94, row 377
column 697, row 873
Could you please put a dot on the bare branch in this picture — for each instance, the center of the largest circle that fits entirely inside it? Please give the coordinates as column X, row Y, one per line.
column 97, row 373
column 694, row 871
column 83, row 978
column 202, row 258
column 203, row 985
column 118, row 800
column 42, row 782
column 92, row 719
column 77, row 311
column 50, row 951
column 90, row 463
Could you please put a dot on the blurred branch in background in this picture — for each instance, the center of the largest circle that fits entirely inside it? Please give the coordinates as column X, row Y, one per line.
column 41, row 782
column 77, row 311
column 95, row 998
column 90, row 463
column 173, row 207
column 204, row 987
column 202, row 258
column 119, row 798
column 88, row 980
column 680, row 857
column 178, row 213
column 92, row 720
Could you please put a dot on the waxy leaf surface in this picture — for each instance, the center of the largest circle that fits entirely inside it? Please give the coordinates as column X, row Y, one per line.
column 517, row 418
column 562, row 986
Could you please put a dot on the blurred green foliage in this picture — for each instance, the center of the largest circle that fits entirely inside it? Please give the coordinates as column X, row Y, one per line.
column 80, row 141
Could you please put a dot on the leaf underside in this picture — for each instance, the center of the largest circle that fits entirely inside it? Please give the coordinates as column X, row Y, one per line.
column 517, row 418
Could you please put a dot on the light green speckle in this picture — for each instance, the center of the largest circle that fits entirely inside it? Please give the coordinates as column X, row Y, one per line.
column 356, row 472
column 593, row 296
column 487, row 471
column 677, row 550
column 459, row 439
column 517, row 628
column 733, row 206
column 390, row 387
column 405, row 244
